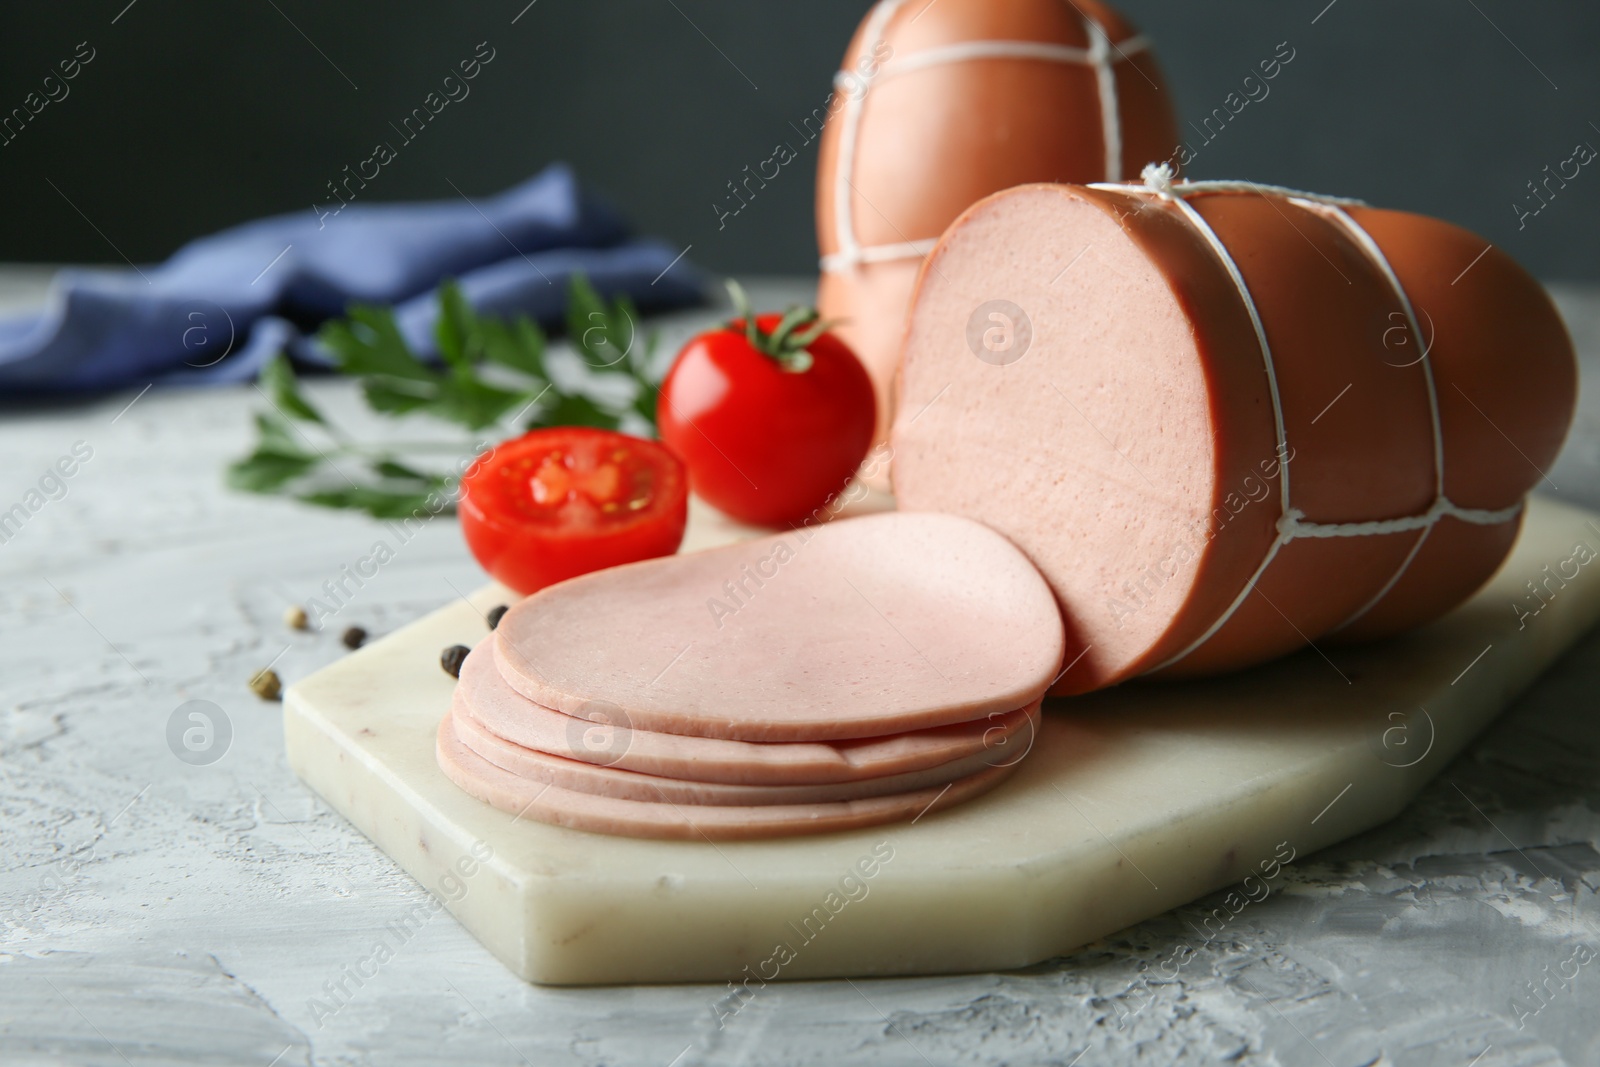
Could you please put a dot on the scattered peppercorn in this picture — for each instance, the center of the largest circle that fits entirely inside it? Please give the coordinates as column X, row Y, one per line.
column 354, row 637
column 294, row 617
column 266, row 684
column 452, row 658
column 495, row 615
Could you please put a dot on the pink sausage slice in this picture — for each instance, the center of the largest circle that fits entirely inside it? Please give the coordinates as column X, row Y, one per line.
column 610, row 815
column 541, row 767
column 859, row 628
column 484, row 696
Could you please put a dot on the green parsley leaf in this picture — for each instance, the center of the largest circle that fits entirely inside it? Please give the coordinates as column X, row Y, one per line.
column 457, row 329
column 368, row 346
column 519, row 346
column 279, row 381
column 473, row 403
column 277, row 460
column 370, row 342
column 574, row 409
column 397, row 396
column 388, row 468
column 382, row 503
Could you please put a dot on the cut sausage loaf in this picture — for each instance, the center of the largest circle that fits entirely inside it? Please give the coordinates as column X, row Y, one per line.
column 947, row 101
column 1231, row 419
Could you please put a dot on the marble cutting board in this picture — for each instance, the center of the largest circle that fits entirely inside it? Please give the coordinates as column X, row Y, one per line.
column 1131, row 802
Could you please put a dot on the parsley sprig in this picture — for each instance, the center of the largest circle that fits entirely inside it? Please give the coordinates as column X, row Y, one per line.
column 490, row 369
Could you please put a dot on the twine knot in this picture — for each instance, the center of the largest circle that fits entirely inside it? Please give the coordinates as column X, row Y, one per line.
column 1158, row 178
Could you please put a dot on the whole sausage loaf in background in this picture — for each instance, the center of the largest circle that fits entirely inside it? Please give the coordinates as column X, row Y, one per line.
column 1226, row 420
column 947, row 101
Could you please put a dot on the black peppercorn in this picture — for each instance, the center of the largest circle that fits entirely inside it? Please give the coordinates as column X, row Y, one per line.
column 452, row 658
column 354, row 637
column 495, row 615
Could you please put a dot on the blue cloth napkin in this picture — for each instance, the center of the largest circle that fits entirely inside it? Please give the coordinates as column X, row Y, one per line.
column 222, row 305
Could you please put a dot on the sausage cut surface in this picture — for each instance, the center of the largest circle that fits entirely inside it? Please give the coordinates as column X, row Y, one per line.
column 858, row 628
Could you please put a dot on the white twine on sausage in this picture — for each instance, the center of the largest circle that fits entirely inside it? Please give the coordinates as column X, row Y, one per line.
column 844, row 212
column 1098, row 56
column 1292, row 524
column 1375, row 254
column 1105, row 79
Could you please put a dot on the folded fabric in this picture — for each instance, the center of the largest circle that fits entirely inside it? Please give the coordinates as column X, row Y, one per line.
column 224, row 304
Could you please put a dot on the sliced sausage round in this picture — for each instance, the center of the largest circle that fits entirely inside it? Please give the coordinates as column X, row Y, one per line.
column 611, row 741
column 858, row 628
column 581, row 777
column 529, row 799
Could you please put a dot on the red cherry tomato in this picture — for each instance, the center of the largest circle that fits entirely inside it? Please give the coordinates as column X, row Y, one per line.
column 553, row 504
column 770, row 426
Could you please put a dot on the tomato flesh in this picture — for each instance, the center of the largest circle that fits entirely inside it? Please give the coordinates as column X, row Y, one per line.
column 557, row 503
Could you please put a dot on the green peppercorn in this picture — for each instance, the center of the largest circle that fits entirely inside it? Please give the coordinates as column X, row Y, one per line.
column 266, row 684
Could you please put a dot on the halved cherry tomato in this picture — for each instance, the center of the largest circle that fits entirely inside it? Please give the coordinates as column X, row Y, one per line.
column 772, row 420
column 553, row 504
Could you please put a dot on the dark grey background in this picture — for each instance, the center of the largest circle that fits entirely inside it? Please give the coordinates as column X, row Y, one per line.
column 195, row 115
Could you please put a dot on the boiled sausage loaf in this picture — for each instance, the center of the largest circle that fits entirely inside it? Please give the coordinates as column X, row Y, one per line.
column 947, row 101
column 1225, row 420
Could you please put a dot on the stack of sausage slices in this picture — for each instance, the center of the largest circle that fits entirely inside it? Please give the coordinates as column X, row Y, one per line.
column 864, row 671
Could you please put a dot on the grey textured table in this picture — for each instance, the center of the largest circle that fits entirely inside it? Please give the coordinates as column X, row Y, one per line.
column 157, row 912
